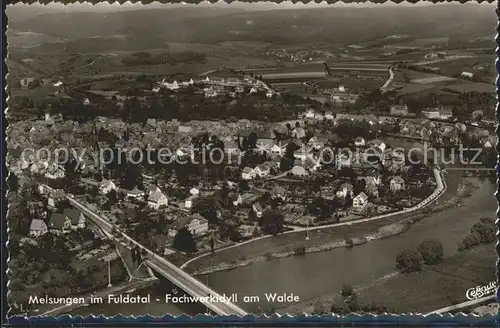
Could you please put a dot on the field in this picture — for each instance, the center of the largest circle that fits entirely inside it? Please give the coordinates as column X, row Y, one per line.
column 426, row 42
column 432, row 79
column 472, row 87
column 436, row 286
column 410, row 88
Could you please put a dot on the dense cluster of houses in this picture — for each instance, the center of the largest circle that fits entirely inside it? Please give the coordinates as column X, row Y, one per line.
column 57, row 217
column 219, row 86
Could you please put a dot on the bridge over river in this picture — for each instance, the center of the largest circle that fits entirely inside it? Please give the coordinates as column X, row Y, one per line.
column 212, row 300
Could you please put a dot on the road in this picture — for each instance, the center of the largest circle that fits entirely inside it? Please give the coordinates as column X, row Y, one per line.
column 437, row 61
column 464, row 305
column 182, row 279
column 389, row 80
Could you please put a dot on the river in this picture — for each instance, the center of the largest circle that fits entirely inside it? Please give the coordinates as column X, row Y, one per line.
column 323, row 273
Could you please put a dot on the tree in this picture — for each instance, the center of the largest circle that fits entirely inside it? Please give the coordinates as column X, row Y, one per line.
column 208, row 208
column 485, row 229
column 409, row 260
column 13, row 182
column 432, row 251
column 272, row 221
column 112, row 197
column 347, row 290
column 351, row 303
column 350, row 299
column 184, row 241
column 320, row 208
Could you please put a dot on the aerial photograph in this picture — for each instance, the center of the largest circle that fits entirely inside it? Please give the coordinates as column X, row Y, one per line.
column 234, row 159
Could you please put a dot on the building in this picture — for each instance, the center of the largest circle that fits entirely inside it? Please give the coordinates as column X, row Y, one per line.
column 196, row 224
column 360, row 201
column 397, row 183
column 248, row 198
column 301, row 154
column 316, row 143
column 38, row 227
column 194, row 192
column 188, row 202
column 248, row 173
column 372, row 189
column 344, row 160
column 248, row 231
column 344, row 190
column 278, row 192
column 235, row 199
column 185, row 129
column 106, row 186
column 298, row 133
column 55, row 197
column 442, row 114
column 310, row 114
column 467, row 75
column 152, row 188
column 374, row 179
column 55, row 172
column 157, row 199
column 262, row 170
column 135, row 193
column 329, row 115
column 299, row 170
column 69, row 219
column 257, row 209
column 277, row 150
column 210, row 92
column 399, row 110
column 25, row 83
column 359, row 142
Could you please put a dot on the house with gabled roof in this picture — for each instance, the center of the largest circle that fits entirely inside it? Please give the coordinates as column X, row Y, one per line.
column 152, row 188
column 235, row 199
column 55, row 171
column 248, row 173
column 106, row 186
column 55, row 197
column 188, row 202
column 397, row 183
column 135, row 193
column 360, row 201
column 196, row 224
column 262, row 170
column 278, row 192
column 344, row 190
column 257, row 209
column 38, row 227
column 359, row 142
column 64, row 222
column 157, row 199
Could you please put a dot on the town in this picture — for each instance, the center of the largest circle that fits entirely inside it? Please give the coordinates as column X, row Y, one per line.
column 186, row 165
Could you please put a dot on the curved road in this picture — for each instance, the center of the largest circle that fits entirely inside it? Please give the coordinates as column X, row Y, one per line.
column 389, row 80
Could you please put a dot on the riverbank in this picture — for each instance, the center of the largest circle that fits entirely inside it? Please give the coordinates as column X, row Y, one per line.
column 301, row 250
column 323, row 240
column 432, row 288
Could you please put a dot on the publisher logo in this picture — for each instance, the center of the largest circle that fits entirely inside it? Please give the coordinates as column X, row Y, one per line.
column 480, row 291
